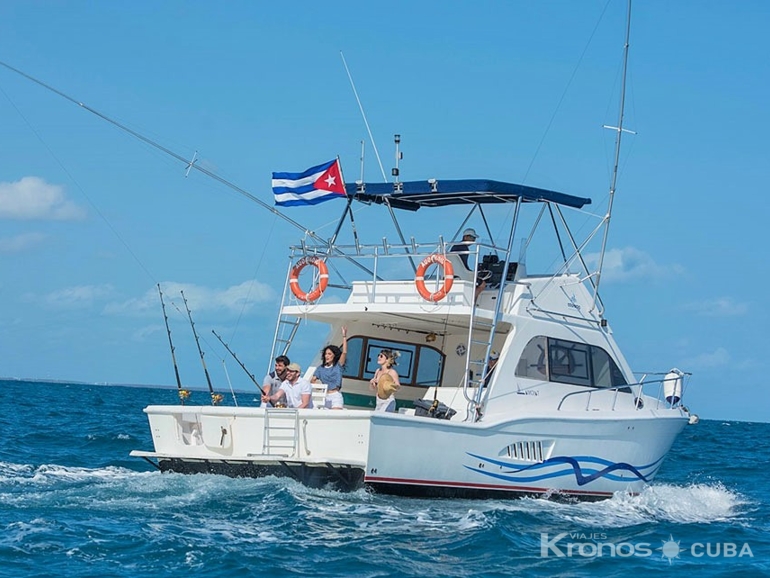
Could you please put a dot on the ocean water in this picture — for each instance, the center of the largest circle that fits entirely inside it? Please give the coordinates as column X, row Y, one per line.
column 73, row 503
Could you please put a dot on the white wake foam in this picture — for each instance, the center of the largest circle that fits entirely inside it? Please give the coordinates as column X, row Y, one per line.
column 692, row 503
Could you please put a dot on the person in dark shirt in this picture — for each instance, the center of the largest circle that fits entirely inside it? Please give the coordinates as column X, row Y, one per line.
column 463, row 249
column 273, row 380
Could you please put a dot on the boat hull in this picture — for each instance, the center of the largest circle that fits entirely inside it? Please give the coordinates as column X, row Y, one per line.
column 343, row 478
column 403, row 454
column 521, row 457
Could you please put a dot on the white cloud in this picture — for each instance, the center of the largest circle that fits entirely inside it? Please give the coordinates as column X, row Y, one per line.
column 144, row 332
column 720, row 307
column 717, row 358
column 628, row 264
column 20, row 242
column 79, row 296
column 33, row 198
column 233, row 299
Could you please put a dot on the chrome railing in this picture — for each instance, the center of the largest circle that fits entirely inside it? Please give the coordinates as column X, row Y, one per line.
column 641, row 390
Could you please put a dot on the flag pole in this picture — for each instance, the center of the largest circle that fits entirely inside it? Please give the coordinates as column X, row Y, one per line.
column 345, row 211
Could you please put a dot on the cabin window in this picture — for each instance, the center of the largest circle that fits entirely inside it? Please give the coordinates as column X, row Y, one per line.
column 418, row 365
column 532, row 361
column 565, row 361
column 568, row 362
column 606, row 372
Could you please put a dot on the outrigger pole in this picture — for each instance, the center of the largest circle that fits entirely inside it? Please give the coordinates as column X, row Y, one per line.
column 189, row 164
column 215, row 398
column 171, row 345
column 618, row 136
column 251, row 375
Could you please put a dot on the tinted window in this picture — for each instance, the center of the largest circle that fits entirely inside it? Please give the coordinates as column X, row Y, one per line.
column 417, row 365
column 532, row 361
column 353, row 359
column 431, row 367
column 602, row 368
column 569, row 362
column 565, row 361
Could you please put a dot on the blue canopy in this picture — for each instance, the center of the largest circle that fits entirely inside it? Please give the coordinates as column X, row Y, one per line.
column 411, row 195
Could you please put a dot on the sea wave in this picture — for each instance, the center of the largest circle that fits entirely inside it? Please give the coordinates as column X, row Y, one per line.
column 681, row 504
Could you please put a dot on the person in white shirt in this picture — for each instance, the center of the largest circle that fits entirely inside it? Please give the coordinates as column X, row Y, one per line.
column 295, row 390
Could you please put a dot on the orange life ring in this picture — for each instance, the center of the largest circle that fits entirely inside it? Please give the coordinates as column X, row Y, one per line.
column 449, row 277
column 323, row 280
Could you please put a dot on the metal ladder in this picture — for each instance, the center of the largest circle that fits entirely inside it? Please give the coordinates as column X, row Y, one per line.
column 285, row 332
column 281, row 437
column 476, row 369
column 287, row 325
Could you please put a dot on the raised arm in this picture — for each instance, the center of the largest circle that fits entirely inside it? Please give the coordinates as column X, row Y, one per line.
column 344, row 355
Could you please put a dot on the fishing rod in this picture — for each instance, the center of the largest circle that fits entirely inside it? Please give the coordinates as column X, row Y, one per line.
column 189, row 164
column 251, row 375
column 215, row 397
column 183, row 393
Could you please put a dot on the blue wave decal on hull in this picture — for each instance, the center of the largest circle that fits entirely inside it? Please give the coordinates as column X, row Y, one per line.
column 583, row 475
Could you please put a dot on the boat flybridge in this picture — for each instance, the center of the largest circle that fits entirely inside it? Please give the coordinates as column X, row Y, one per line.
column 560, row 413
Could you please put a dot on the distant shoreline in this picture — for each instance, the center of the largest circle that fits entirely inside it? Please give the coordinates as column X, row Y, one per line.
column 107, row 384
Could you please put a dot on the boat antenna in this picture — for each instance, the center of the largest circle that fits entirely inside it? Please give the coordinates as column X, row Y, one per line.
column 215, row 397
column 182, row 396
column 251, row 375
column 363, row 148
column 619, row 130
column 363, row 114
column 399, row 155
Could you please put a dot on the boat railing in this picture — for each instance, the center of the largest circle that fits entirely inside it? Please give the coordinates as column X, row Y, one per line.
column 375, row 262
column 386, row 264
column 639, row 388
column 367, row 257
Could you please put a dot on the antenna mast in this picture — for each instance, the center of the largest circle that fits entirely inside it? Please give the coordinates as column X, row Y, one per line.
column 618, row 136
column 363, row 115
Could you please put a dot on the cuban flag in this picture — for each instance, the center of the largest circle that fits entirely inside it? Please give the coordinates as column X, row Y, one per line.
column 313, row 186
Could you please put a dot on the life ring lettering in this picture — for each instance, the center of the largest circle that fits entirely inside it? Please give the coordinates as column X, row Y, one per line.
column 449, row 279
column 323, row 279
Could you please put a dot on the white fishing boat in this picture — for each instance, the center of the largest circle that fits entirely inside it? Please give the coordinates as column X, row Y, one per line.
column 561, row 413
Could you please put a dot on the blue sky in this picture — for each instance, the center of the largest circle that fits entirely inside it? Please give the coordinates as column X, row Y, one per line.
column 92, row 218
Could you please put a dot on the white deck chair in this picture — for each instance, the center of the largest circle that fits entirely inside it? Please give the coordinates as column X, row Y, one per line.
column 319, row 395
column 459, row 267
